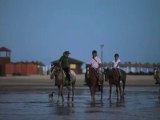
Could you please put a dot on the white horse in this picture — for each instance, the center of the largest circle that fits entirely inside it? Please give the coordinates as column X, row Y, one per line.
column 60, row 81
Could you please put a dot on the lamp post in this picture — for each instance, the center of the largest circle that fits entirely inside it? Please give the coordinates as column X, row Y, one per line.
column 101, row 46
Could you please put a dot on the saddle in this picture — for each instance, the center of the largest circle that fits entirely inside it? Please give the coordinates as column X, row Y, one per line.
column 117, row 71
column 98, row 76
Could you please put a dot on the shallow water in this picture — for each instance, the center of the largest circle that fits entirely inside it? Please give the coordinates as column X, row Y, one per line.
column 139, row 103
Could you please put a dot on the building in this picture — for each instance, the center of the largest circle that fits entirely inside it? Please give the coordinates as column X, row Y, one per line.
column 24, row 68
column 18, row 68
column 75, row 65
column 5, row 54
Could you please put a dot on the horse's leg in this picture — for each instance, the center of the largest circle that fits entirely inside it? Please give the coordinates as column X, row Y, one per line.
column 69, row 91
column 58, row 93
column 110, row 91
column 101, row 87
column 124, row 84
column 92, row 93
column 61, row 91
column 117, row 91
column 120, row 92
column 73, row 87
column 159, row 92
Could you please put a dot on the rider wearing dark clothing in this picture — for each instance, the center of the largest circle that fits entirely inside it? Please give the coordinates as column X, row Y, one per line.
column 64, row 62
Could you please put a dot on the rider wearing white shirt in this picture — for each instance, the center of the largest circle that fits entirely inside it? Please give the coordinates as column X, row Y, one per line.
column 116, row 62
column 95, row 64
column 95, row 61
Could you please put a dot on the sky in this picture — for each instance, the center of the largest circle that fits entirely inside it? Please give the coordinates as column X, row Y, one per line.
column 41, row 30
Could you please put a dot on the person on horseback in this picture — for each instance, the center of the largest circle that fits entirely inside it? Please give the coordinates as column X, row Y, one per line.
column 95, row 63
column 116, row 62
column 64, row 62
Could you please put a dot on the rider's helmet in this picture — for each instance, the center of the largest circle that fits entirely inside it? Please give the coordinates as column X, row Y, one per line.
column 116, row 55
column 94, row 51
column 66, row 52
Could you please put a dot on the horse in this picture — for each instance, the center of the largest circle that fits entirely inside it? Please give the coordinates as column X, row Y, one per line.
column 123, row 76
column 157, row 76
column 114, row 78
column 95, row 81
column 60, row 81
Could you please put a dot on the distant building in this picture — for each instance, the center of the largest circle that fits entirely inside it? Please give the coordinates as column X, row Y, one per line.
column 5, row 54
column 24, row 68
column 75, row 65
column 18, row 68
column 138, row 69
column 134, row 68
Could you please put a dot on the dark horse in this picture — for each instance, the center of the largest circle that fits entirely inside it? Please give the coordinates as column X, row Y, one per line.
column 95, row 81
column 157, row 75
column 60, row 79
column 115, row 77
column 157, row 78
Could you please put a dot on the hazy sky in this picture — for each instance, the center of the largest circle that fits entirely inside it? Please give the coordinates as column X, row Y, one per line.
column 42, row 29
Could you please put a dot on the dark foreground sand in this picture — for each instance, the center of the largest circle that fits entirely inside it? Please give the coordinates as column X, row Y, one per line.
column 44, row 81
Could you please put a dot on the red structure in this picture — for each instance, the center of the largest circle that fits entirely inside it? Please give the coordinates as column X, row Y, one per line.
column 24, row 68
column 5, row 54
column 18, row 68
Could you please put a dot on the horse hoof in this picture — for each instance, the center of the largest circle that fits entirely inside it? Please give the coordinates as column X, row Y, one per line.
column 50, row 100
column 122, row 96
column 57, row 101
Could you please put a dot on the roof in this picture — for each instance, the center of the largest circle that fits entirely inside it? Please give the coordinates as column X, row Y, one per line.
column 4, row 49
column 71, row 60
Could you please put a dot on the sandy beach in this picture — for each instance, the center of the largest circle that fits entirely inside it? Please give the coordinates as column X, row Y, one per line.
column 44, row 81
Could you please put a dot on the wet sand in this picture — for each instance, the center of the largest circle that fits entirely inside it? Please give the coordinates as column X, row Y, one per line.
column 26, row 98
column 139, row 103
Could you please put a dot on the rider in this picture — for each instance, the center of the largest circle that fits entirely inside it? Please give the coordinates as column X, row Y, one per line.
column 116, row 62
column 64, row 62
column 95, row 62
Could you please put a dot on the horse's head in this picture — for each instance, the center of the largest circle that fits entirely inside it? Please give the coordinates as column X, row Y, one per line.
column 56, row 68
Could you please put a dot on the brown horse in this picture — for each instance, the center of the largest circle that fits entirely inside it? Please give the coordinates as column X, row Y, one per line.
column 60, row 78
column 157, row 78
column 157, row 75
column 95, row 81
column 123, row 76
column 114, row 79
